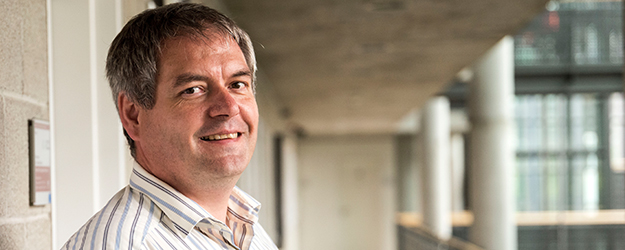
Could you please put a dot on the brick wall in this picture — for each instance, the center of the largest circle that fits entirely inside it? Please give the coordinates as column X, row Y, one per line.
column 23, row 95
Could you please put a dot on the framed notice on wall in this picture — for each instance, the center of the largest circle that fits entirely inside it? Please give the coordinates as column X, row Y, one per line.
column 40, row 172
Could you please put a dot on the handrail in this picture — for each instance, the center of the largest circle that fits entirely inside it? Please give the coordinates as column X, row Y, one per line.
column 534, row 218
column 423, row 239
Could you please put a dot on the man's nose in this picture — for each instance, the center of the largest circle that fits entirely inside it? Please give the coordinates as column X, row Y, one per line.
column 223, row 104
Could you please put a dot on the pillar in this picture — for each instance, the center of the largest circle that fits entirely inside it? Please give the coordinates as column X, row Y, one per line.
column 290, row 194
column 436, row 176
column 457, row 172
column 492, row 196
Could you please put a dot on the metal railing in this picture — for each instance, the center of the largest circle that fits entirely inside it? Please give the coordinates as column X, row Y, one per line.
column 416, row 238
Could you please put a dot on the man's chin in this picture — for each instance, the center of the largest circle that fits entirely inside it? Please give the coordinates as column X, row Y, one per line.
column 226, row 168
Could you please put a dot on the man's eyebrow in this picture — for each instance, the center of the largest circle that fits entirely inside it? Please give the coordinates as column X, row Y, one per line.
column 186, row 78
column 242, row 73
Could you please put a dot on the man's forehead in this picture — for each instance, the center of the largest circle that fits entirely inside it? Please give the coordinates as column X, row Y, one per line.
column 206, row 36
column 189, row 44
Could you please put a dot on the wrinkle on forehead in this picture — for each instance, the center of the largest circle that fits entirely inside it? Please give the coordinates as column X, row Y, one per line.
column 212, row 43
column 208, row 38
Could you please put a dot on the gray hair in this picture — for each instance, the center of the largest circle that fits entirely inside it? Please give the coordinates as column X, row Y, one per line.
column 131, row 64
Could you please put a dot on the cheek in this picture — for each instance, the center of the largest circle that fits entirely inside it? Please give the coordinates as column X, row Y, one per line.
column 169, row 124
column 184, row 118
column 251, row 114
column 254, row 127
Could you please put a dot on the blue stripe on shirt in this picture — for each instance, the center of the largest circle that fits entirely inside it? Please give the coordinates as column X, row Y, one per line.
column 108, row 223
column 167, row 191
column 156, row 198
column 97, row 225
column 147, row 225
column 134, row 222
column 121, row 221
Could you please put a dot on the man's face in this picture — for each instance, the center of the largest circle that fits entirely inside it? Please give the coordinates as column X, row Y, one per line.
column 203, row 126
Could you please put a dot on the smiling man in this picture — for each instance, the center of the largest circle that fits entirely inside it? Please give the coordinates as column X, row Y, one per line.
column 183, row 79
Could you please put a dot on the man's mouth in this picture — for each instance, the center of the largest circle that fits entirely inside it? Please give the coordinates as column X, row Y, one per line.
column 220, row 137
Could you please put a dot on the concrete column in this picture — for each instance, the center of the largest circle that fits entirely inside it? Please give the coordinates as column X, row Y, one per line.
column 436, row 176
column 290, row 194
column 457, row 172
column 491, row 99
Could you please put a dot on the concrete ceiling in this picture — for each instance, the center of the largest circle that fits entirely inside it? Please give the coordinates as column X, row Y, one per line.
column 359, row 66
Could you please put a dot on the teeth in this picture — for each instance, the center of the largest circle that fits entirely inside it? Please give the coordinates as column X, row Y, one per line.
column 221, row 137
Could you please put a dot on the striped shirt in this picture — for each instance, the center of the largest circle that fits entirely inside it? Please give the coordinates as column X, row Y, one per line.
column 150, row 214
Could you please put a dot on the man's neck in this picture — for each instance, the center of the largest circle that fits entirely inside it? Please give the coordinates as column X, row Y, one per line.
column 214, row 202
column 212, row 195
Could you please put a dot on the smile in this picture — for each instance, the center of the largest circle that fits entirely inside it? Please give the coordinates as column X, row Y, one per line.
column 220, row 137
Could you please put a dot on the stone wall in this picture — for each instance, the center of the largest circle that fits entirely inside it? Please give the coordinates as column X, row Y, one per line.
column 23, row 96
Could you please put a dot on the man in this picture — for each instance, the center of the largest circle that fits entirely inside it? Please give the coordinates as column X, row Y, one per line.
column 183, row 79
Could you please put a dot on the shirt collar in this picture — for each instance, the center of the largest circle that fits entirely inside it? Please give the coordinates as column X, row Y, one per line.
column 181, row 210
column 244, row 205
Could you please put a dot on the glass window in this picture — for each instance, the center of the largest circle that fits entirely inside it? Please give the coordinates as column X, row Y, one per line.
column 573, row 33
column 617, row 135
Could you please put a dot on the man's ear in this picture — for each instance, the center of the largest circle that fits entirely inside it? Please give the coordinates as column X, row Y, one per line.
column 129, row 115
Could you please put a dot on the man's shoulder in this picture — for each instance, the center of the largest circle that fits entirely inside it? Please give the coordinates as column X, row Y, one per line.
column 123, row 223
column 261, row 239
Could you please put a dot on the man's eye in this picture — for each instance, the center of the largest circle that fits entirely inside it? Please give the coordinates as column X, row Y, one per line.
column 192, row 90
column 238, row 85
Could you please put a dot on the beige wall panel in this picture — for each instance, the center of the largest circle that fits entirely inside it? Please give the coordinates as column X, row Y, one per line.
column 37, row 231
column 347, row 193
column 11, row 46
column 35, row 53
column 23, row 96
column 16, row 161
column 12, row 236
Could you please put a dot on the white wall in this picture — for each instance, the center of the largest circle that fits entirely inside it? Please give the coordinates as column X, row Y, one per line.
column 347, row 193
column 90, row 153
column 408, row 174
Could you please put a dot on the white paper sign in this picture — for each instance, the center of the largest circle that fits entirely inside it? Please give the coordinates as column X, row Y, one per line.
column 40, row 172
